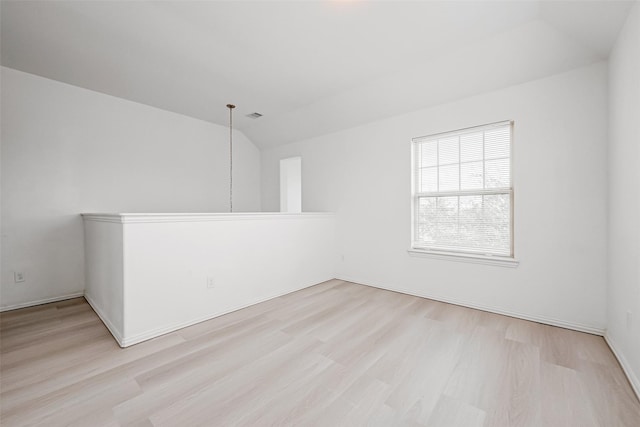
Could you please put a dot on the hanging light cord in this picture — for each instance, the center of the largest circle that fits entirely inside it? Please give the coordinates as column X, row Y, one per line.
column 231, row 107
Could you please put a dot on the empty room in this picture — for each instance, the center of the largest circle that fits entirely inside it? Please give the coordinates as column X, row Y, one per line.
column 320, row 213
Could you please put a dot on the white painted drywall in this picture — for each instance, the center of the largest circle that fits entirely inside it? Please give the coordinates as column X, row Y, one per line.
column 291, row 185
column 168, row 260
column 624, row 198
column 104, row 287
column 363, row 174
column 67, row 150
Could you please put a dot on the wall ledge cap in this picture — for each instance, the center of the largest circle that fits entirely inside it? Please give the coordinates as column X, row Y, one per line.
column 127, row 218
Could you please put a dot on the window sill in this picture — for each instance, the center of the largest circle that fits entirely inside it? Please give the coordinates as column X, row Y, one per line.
column 475, row 259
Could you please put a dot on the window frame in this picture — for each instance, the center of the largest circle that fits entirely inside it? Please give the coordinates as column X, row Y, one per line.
column 461, row 255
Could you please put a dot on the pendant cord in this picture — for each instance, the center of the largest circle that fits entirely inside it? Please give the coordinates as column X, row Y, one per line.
column 231, row 107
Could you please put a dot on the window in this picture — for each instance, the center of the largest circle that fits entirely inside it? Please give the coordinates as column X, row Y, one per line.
column 462, row 192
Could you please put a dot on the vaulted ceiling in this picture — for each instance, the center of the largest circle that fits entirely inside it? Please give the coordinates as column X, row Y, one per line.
column 310, row 68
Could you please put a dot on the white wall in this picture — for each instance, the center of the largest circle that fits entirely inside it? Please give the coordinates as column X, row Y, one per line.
column 624, row 198
column 104, row 272
column 363, row 174
column 170, row 259
column 67, row 150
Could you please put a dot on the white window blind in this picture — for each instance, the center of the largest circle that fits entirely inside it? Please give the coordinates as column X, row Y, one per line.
column 462, row 191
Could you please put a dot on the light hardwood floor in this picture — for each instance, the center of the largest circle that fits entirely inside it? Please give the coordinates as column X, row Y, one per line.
column 333, row 354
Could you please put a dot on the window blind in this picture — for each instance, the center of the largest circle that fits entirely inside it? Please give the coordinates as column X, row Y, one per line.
column 463, row 195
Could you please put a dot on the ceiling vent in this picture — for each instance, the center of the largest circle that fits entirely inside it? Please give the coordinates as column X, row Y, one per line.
column 254, row 115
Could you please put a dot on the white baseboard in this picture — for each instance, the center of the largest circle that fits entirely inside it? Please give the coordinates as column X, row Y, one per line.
column 42, row 301
column 626, row 367
column 128, row 341
column 470, row 304
column 117, row 335
column 154, row 333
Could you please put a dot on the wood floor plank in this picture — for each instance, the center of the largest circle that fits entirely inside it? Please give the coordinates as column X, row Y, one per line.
column 109, row 362
column 453, row 413
column 564, row 400
column 193, row 376
column 334, row 354
column 416, row 395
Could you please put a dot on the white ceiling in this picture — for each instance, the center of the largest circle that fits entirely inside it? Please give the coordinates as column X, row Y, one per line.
column 310, row 67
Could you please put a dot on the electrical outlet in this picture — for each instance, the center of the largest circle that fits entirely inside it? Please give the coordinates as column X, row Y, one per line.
column 210, row 283
column 18, row 276
column 629, row 319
